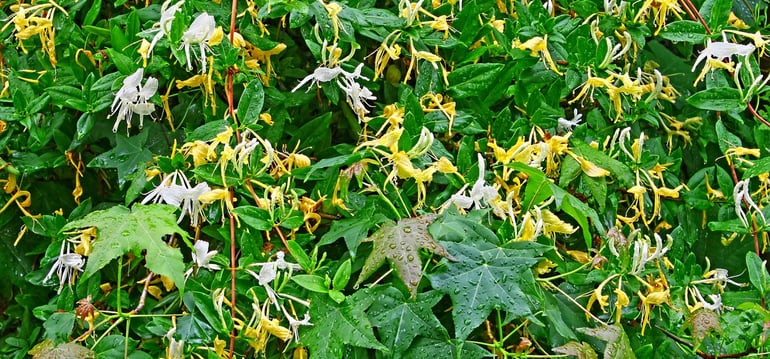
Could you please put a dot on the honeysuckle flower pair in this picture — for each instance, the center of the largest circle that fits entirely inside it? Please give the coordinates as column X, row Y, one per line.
column 163, row 27
column 133, row 97
column 202, row 33
column 175, row 189
column 269, row 272
column 65, row 266
column 715, row 52
column 356, row 95
column 741, row 196
column 201, row 256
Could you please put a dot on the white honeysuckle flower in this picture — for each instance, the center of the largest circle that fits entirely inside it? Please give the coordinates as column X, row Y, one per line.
column 321, row 74
column 65, row 265
column 567, row 125
column 175, row 349
column 479, row 192
column 720, row 278
column 356, row 96
column 175, row 190
column 202, row 257
column 269, row 272
column 741, row 194
column 326, row 74
column 642, row 254
column 133, row 97
column 722, row 49
column 295, row 323
column 198, row 34
column 167, row 16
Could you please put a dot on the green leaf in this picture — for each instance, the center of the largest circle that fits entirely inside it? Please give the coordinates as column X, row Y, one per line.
column 399, row 319
column 685, row 31
column 336, row 325
column 457, row 349
column 342, row 276
column 129, row 153
column 58, row 326
column 353, row 229
column 142, row 228
column 311, row 282
column 254, row 217
column 251, row 102
column 487, row 277
column 718, row 99
column 760, row 166
column 473, row 80
column 66, row 96
column 400, row 243
column 726, row 138
column 618, row 346
column 757, row 272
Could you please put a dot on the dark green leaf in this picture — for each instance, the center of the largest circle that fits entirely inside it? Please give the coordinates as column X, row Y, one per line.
column 718, row 99
column 486, row 277
column 251, row 102
column 336, row 325
column 399, row 319
column 473, row 80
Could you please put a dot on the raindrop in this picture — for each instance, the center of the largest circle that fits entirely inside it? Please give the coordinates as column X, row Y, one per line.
column 410, row 257
column 408, row 229
column 125, row 233
column 392, row 246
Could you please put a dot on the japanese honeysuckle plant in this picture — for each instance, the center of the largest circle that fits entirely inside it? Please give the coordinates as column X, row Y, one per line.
column 358, row 179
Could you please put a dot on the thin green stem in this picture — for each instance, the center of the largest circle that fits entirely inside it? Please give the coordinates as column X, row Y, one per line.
column 384, row 198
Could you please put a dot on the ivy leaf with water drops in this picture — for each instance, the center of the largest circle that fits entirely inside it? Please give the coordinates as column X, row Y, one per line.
column 399, row 320
column 487, row 277
column 400, row 243
column 121, row 230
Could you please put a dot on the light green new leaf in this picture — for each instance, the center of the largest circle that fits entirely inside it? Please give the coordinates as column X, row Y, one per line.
column 336, row 325
column 400, row 244
column 487, row 277
column 121, row 230
column 399, row 319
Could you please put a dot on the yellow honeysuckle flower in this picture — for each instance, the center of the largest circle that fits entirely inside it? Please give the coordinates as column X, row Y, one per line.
column 445, row 166
column 552, row 224
column 421, row 178
column 538, row 46
column 596, row 295
column 621, row 301
column 200, row 152
column 388, row 140
column 590, row 168
column 660, row 9
column 713, row 64
column 591, row 84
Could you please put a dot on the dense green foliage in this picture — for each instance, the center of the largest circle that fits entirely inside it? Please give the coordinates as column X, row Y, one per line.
column 294, row 178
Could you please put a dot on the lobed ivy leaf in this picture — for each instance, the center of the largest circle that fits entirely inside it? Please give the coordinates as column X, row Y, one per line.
column 127, row 156
column 335, row 325
column 400, row 243
column 487, row 277
column 399, row 320
column 121, row 230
